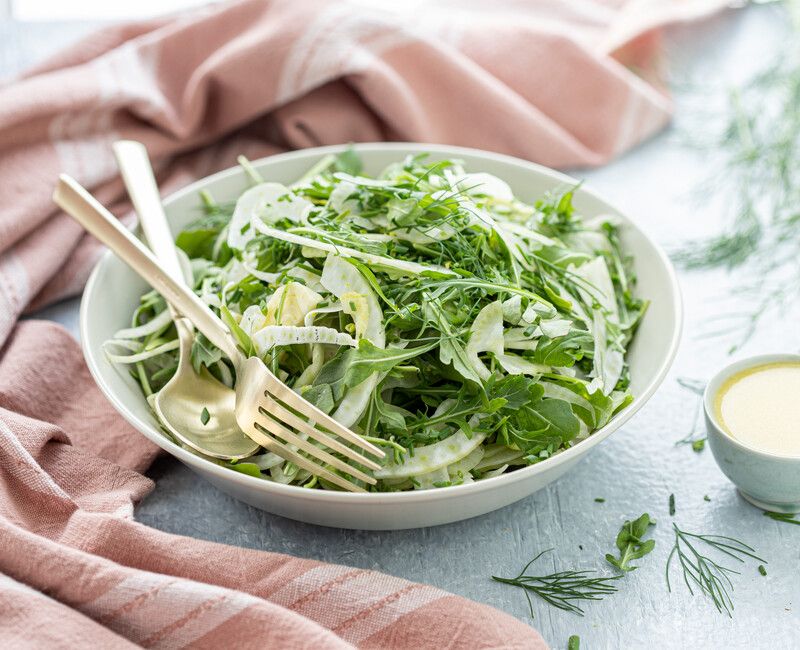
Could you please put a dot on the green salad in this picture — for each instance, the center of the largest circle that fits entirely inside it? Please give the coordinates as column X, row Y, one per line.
column 466, row 332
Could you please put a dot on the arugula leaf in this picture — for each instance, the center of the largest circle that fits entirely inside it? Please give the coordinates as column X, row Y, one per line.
column 348, row 161
column 204, row 353
column 320, row 396
column 197, row 240
column 631, row 544
column 351, row 366
column 434, row 246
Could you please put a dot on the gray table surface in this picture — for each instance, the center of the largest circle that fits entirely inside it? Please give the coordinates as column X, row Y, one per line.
column 635, row 470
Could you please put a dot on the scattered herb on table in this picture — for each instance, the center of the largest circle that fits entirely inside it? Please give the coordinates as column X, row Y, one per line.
column 712, row 578
column 599, row 500
column 574, row 642
column 785, row 517
column 631, row 544
column 695, row 385
column 562, row 589
column 762, row 569
column 671, row 505
column 205, row 416
column 757, row 141
column 698, row 443
column 706, row 497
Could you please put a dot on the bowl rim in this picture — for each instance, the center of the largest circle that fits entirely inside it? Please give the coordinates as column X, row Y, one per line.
column 715, row 384
column 413, row 496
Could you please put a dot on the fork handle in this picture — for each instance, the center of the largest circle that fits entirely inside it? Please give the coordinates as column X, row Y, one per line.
column 137, row 173
column 90, row 213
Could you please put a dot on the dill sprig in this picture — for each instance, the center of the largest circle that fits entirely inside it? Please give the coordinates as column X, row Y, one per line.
column 757, row 143
column 712, row 578
column 562, row 589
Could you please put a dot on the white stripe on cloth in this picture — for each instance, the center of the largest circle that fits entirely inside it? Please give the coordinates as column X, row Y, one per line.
column 9, row 584
column 83, row 140
column 14, row 292
column 338, row 41
column 342, row 601
column 356, row 607
column 307, row 583
column 145, row 604
column 41, row 481
column 389, row 613
column 639, row 115
column 83, row 144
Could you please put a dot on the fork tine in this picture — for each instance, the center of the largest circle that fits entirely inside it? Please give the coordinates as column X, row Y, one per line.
column 286, row 395
column 276, row 428
column 275, row 408
column 277, row 447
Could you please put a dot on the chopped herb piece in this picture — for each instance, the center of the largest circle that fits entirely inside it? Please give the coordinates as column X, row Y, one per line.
column 785, row 517
column 762, row 569
column 706, row 497
column 599, row 500
column 574, row 642
column 205, row 416
column 671, row 505
column 251, row 469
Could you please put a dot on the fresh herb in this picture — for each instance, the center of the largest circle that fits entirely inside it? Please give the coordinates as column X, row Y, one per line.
column 563, row 589
column 631, row 544
column 756, row 142
column 697, row 443
column 251, row 469
column 694, row 385
column 599, row 500
column 205, row 416
column 574, row 642
column 787, row 518
column 712, row 578
column 671, row 505
column 762, row 569
column 466, row 331
column 706, row 497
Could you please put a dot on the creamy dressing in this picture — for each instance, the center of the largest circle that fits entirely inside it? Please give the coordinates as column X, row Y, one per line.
column 760, row 407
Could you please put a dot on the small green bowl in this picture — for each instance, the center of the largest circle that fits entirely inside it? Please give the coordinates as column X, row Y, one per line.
column 766, row 480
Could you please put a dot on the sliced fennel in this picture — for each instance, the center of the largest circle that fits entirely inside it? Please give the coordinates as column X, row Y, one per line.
column 466, row 332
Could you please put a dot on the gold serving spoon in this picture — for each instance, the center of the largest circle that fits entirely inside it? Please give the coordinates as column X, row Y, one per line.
column 267, row 410
column 195, row 408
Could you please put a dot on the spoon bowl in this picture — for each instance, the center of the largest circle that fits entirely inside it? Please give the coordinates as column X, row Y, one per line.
column 198, row 410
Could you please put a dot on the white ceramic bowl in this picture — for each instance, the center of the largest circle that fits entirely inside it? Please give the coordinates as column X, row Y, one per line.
column 766, row 480
column 113, row 291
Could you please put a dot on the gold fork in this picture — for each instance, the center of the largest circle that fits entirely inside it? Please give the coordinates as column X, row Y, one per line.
column 267, row 410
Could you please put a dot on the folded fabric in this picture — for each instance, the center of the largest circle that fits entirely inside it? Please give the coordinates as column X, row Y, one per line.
column 77, row 571
column 560, row 82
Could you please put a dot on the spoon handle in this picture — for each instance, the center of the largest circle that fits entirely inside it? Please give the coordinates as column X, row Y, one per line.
column 90, row 213
column 137, row 173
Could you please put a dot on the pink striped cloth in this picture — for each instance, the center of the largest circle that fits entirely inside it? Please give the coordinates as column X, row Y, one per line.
column 562, row 82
